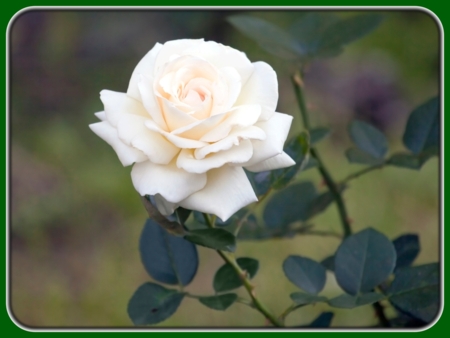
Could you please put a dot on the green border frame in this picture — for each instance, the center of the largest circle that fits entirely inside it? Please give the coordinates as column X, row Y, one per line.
column 11, row 8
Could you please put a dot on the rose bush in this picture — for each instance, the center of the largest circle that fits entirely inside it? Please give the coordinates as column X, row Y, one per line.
column 194, row 115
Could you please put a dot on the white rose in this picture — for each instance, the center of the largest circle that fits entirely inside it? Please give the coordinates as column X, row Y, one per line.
column 194, row 115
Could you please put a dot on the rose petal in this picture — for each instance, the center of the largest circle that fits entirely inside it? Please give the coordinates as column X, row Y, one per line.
column 116, row 104
column 164, row 207
column 233, row 82
column 277, row 130
column 147, row 67
column 261, row 88
column 132, row 130
column 227, row 191
column 150, row 101
column 101, row 115
column 127, row 155
column 174, row 117
column 177, row 141
column 172, row 183
column 243, row 116
column 237, row 154
column 282, row 160
column 175, row 47
column 199, row 128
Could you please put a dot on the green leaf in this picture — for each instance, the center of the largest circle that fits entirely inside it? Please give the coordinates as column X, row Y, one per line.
column 422, row 128
column 305, row 273
column 218, row 239
column 182, row 214
column 198, row 217
column 318, row 134
column 411, row 161
column 298, row 150
column 219, row 302
column 328, row 263
column 289, row 205
column 309, row 28
column 368, row 138
column 346, row 301
column 355, row 155
column 363, row 261
column 341, row 33
column 167, row 258
column 322, row 202
column 152, row 304
column 260, row 181
column 323, row 320
column 226, row 278
column 415, row 291
column 271, row 38
column 407, row 248
column 300, row 298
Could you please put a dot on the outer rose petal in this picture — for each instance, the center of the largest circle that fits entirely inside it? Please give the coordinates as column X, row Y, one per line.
column 117, row 104
column 150, row 101
column 176, row 140
column 227, row 191
column 236, row 154
column 132, row 130
column 261, row 88
column 146, row 67
column 173, row 48
column 101, row 115
column 277, row 130
column 282, row 160
column 127, row 155
column 172, row 183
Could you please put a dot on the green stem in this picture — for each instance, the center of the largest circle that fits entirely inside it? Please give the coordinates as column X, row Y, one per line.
column 229, row 259
column 250, row 210
column 290, row 309
column 363, row 171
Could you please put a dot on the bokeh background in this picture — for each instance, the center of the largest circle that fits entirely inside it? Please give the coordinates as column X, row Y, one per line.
column 75, row 218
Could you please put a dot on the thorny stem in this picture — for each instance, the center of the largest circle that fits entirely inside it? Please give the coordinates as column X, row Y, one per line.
column 298, row 87
column 229, row 259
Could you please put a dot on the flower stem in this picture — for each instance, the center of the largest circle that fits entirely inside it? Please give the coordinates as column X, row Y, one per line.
column 229, row 259
column 363, row 171
column 333, row 188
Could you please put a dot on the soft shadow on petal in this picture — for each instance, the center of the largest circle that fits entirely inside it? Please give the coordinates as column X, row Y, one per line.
column 164, row 207
column 174, row 117
column 277, row 130
column 132, row 130
column 242, row 116
column 282, row 160
column 236, row 154
column 147, row 67
column 228, row 190
column 172, row 183
column 233, row 139
column 117, row 104
column 178, row 141
column 261, row 88
column 199, row 128
column 150, row 101
column 101, row 115
column 127, row 155
column 175, row 47
column 233, row 83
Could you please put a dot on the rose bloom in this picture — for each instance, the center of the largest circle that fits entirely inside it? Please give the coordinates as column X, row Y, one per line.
column 195, row 114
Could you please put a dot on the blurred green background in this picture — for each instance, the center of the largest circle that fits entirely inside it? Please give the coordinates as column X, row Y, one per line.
column 75, row 217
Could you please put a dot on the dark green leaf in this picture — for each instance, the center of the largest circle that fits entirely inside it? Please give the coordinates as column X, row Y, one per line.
column 298, row 150
column 301, row 298
column 318, row 134
column 415, row 291
column 346, row 301
column 270, row 37
column 152, row 304
column 355, row 155
column 219, row 302
column 226, row 278
column 182, row 214
column 167, row 257
column 252, row 231
column 407, row 248
column 363, row 261
column 341, row 33
column 411, row 161
column 323, row 320
column 368, row 138
column 199, row 218
column 309, row 29
column 422, row 128
column 328, row 263
column 260, row 181
column 322, row 202
column 305, row 273
column 218, row 239
column 289, row 205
